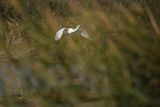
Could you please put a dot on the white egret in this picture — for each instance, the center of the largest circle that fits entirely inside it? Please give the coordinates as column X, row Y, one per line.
column 67, row 31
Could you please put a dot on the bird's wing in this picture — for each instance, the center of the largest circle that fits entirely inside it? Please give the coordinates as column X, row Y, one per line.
column 60, row 33
column 82, row 32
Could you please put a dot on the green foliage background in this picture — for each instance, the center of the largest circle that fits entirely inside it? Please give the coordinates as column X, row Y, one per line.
column 118, row 67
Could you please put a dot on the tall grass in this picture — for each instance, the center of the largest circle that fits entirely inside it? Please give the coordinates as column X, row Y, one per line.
column 118, row 66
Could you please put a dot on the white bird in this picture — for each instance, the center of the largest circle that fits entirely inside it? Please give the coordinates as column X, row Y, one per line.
column 67, row 31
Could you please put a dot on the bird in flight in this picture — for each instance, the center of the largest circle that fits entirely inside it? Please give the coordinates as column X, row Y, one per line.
column 69, row 31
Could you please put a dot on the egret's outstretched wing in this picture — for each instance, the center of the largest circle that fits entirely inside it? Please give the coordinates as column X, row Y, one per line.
column 82, row 32
column 60, row 33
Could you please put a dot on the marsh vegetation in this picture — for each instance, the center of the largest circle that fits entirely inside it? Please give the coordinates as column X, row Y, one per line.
column 118, row 67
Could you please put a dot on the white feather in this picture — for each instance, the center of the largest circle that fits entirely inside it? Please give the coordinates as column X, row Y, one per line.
column 59, row 34
column 66, row 31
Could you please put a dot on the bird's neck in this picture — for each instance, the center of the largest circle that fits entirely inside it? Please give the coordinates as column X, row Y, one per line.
column 76, row 28
column 70, row 30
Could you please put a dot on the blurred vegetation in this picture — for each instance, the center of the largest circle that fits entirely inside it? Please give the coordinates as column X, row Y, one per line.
column 118, row 67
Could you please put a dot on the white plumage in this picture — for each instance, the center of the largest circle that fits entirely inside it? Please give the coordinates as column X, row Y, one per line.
column 67, row 31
